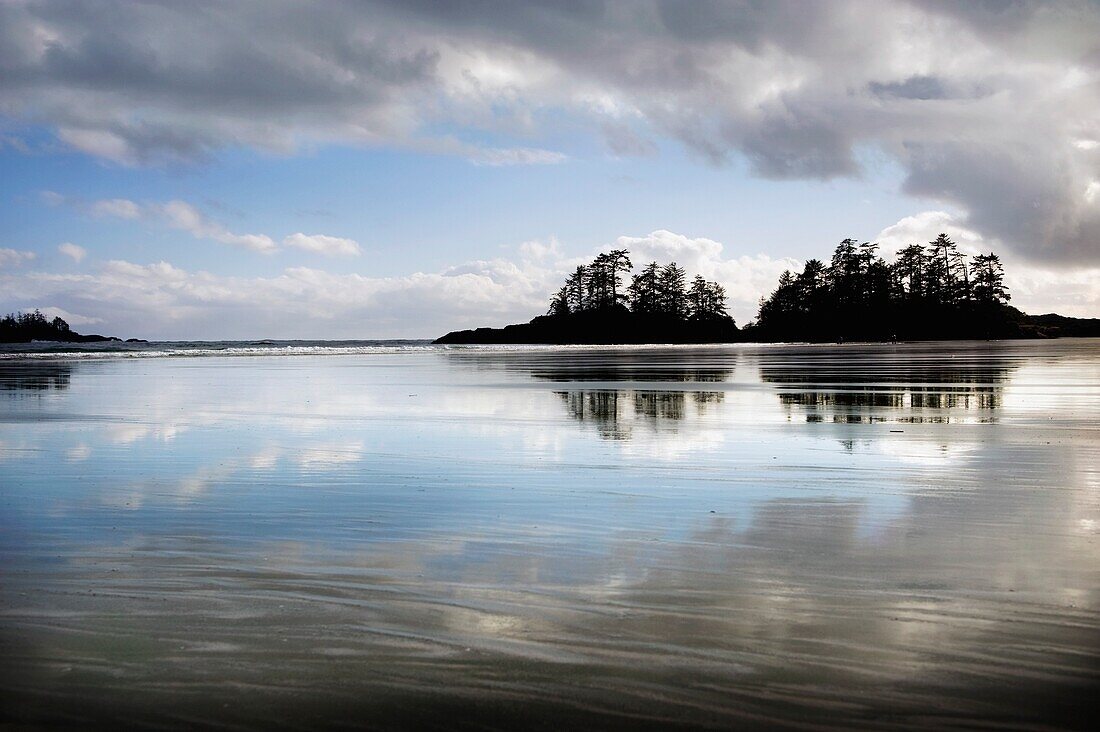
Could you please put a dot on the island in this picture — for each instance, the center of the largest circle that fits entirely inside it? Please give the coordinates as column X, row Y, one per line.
column 929, row 292
column 34, row 326
column 593, row 307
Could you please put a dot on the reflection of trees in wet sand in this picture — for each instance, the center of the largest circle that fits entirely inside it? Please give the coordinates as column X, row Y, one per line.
column 34, row 376
column 614, row 390
column 630, row 372
column 675, row 365
column 890, row 392
column 615, row 412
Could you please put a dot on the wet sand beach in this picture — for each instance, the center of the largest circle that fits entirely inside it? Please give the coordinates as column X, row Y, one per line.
column 803, row 537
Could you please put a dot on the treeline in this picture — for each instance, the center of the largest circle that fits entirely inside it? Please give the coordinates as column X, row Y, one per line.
column 655, row 292
column 34, row 326
column 597, row 304
column 931, row 291
column 928, row 292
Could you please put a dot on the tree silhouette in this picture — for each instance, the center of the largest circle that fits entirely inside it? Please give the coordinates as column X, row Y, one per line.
column 989, row 280
column 670, row 291
column 947, row 279
column 909, row 271
column 655, row 305
column 926, row 292
column 706, row 300
column 32, row 326
column 618, row 263
column 697, row 298
column 644, row 290
column 559, row 304
column 576, row 286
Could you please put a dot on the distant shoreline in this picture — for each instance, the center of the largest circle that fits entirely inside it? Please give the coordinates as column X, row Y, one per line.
column 32, row 327
column 543, row 331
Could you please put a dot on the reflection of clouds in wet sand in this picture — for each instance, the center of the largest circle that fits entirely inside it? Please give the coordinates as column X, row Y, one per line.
column 125, row 434
column 265, row 459
column 519, row 534
column 11, row 450
column 330, row 455
column 236, row 472
column 78, row 453
column 794, row 598
column 917, row 450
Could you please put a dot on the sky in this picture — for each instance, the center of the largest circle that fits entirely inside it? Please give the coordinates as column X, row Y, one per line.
column 278, row 169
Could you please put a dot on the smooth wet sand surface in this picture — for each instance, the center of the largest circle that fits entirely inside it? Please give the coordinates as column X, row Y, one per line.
column 810, row 537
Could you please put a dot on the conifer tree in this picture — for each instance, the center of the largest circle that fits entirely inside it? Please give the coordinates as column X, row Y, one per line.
column 670, row 289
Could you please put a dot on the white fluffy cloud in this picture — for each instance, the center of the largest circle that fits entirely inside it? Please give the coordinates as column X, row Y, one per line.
column 14, row 257
column 73, row 319
column 745, row 278
column 1035, row 289
column 184, row 216
column 73, row 251
column 163, row 301
column 331, row 246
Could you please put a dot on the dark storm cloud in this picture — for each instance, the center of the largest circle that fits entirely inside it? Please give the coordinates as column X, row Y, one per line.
column 988, row 106
column 134, row 81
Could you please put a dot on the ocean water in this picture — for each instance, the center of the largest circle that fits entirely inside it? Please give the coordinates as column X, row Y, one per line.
column 399, row 535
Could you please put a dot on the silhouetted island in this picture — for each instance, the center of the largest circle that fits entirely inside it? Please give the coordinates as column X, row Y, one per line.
column 929, row 292
column 593, row 306
column 27, row 327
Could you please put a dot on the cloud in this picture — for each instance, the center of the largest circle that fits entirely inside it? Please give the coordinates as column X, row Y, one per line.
column 330, row 246
column 14, row 258
column 15, row 143
column 925, row 226
column 161, row 300
column 959, row 96
column 178, row 215
column 115, row 207
column 745, row 278
column 1034, row 288
column 70, row 318
column 184, row 216
column 515, row 156
column 75, row 252
column 52, row 198
column 666, row 246
column 623, row 141
column 100, row 143
column 540, row 251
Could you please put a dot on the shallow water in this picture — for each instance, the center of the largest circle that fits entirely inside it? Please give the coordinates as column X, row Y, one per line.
column 783, row 536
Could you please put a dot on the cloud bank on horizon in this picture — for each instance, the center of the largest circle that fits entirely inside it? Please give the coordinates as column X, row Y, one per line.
column 163, row 301
column 989, row 111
